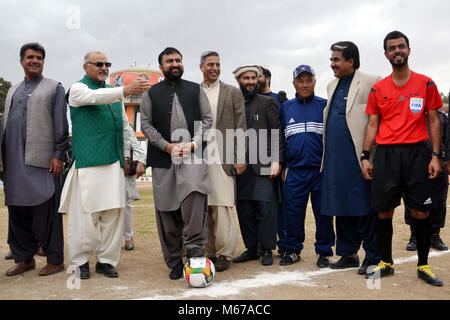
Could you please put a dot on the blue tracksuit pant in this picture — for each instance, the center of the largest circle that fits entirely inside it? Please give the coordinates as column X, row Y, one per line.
column 282, row 223
column 299, row 185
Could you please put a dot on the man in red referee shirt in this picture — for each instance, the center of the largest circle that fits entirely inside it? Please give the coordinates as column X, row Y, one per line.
column 398, row 106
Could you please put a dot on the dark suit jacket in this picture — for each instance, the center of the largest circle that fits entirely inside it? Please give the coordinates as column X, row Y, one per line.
column 264, row 114
column 230, row 115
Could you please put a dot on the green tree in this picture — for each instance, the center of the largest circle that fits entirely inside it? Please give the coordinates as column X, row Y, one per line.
column 4, row 87
column 444, row 98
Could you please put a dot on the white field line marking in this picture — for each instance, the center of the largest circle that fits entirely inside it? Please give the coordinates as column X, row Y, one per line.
column 142, row 205
column 266, row 279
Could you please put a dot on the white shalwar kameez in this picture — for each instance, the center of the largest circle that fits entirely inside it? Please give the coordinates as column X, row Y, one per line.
column 94, row 197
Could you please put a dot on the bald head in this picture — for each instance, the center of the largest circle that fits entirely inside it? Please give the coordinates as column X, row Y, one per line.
column 91, row 54
column 91, row 61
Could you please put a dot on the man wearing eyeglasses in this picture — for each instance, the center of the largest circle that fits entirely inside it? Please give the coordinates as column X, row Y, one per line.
column 94, row 191
column 33, row 139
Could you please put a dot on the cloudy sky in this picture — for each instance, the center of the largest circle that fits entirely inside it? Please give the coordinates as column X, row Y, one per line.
column 276, row 34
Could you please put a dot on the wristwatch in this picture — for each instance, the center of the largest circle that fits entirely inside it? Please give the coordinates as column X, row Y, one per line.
column 365, row 155
column 437, row 154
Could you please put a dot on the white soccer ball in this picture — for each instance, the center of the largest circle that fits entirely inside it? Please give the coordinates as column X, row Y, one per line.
column 199, row 272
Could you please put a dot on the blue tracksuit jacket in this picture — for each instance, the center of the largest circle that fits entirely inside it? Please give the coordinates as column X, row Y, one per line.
column 303, row 128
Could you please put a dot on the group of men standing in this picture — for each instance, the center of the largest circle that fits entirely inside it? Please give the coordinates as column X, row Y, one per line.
column 34, row 140
column 344, row 178
column 212, row 148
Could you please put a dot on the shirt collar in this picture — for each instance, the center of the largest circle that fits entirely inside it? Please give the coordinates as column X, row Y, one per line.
column 305, row 100
column 35, row 79
column 348, row 78
column 96, row 84
column 215, row 84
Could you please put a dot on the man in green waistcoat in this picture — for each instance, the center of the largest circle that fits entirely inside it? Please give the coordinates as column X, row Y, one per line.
column 94, row 191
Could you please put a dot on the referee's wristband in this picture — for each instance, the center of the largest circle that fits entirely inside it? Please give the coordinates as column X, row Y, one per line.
column 365, row 155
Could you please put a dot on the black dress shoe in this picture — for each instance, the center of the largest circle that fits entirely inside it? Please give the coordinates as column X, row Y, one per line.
column 437, row 243
column 246, row 256
column 346, row 262
column 85, row 273
column 366, row 263
column 259, row 251
column 177, row 271
column 106, row 269
column 323, row 261
column 195, row 252
column 281, row 251
column 267, row 258
column 412, row 244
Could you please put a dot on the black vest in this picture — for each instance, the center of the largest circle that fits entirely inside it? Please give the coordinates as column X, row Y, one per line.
column 161, row 95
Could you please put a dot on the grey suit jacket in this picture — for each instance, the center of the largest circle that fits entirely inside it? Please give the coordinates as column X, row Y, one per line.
column 230, row 115
column 356, row 116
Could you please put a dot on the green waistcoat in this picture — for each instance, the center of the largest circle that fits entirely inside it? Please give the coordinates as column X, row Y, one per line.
column 97, row 131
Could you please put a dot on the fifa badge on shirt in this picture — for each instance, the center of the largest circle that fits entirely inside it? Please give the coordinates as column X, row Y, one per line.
column 416, row 104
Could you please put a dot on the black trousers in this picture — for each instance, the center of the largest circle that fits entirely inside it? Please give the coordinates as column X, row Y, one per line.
column 258, row 223
column 438, row 209
column 351, row 232
column 31, row 227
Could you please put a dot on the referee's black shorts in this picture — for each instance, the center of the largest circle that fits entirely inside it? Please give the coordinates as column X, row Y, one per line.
column 401, row 168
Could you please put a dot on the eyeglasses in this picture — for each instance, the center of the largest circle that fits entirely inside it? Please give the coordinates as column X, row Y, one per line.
column 100, row 64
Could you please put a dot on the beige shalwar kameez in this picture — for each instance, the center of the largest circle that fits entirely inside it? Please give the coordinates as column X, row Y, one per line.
column 222, row 229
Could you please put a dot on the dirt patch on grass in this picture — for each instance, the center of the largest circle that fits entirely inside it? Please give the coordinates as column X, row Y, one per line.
column 144, row 275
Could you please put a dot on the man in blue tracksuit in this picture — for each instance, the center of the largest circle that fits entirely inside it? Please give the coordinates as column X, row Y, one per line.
column 302, row 120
